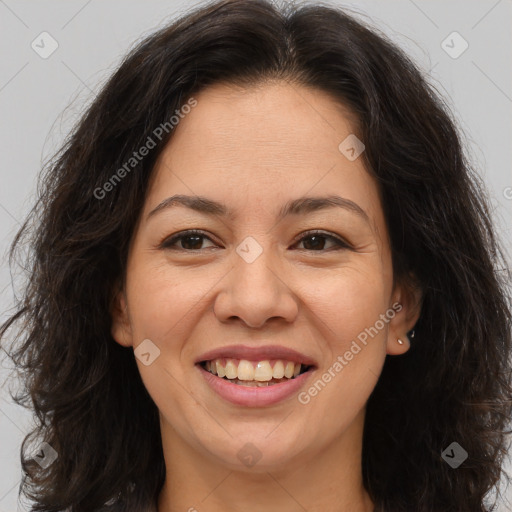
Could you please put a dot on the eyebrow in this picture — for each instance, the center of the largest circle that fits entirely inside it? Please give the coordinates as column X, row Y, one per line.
column 299, row 206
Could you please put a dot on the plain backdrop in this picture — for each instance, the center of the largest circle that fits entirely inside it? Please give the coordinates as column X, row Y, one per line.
column 41, row 98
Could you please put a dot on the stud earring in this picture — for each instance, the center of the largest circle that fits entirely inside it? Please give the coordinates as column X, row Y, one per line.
column 400, row 342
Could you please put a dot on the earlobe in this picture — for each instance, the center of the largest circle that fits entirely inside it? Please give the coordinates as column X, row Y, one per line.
column 409, row 295
column 398, row 346
column 120, row 327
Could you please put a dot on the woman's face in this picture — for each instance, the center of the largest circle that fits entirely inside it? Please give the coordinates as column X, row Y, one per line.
column 256, row 279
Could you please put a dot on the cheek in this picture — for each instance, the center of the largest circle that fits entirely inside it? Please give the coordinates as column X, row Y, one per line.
column 162, row 298
column 348, row 301
column 162, row 304
column 348, row 310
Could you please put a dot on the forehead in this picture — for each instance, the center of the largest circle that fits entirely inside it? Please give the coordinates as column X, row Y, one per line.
column 265, row 117
column 251, row 147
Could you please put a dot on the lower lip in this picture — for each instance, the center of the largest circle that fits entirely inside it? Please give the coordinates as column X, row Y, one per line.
column 254, row 396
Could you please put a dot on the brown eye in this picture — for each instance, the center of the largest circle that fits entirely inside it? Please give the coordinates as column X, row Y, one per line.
column 189, row 240
column 317, row 241
column 193, row 240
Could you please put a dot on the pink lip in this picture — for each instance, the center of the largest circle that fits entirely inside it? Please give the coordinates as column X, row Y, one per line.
column 254, row 397
column 257, row 354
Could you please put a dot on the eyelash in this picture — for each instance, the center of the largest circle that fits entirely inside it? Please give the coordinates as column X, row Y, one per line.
column 167, row 243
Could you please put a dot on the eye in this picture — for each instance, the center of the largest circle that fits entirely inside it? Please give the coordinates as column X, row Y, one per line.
column 317, row 241
column 192, row 240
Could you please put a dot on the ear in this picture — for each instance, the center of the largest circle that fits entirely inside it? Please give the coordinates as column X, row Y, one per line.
column 121, row 325
column 406, row 301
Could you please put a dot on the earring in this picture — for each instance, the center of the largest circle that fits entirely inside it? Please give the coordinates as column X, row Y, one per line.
column 400, row 342
column 412, row 334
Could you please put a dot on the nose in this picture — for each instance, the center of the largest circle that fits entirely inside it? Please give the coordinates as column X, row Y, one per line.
column 255, row 292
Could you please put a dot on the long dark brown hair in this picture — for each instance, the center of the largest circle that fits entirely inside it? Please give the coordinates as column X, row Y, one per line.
column 454, row 384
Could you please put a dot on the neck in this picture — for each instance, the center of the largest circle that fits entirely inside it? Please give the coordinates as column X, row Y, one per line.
column 328, row 481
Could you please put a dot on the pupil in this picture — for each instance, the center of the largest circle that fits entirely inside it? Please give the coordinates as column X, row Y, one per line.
column 317, row 238
column 196, row 237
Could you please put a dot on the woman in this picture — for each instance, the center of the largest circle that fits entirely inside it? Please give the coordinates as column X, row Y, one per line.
column 194, row 344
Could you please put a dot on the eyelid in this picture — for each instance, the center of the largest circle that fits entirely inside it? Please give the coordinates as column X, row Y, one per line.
column 170, row 240
column 340, row 242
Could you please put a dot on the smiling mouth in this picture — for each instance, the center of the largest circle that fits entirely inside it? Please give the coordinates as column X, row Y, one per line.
column 255, row 373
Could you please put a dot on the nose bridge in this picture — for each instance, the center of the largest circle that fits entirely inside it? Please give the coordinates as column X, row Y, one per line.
column 254, row 266
column 255, row 291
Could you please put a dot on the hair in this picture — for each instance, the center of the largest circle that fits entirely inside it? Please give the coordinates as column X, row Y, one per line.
column 454, row 384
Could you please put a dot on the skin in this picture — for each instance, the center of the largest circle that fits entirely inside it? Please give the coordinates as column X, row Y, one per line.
column 253, row 150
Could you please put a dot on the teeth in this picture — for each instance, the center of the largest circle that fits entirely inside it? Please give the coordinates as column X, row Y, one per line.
column 278, row 372
column 251, row 384
column 245, row 370
column 263, row 371
column 253, row 373
column 231, row 370
column 289, row 370
column 221, row 372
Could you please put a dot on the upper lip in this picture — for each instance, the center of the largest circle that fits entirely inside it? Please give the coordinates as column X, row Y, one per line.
column 260, row 353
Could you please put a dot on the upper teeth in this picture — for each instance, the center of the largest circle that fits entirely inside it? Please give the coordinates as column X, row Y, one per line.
column 253, row 370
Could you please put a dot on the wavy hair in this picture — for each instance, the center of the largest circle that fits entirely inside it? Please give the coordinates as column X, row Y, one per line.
column 454, row 384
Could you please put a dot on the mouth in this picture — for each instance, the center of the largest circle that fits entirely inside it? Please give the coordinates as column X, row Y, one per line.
column 260, row 376
column 257, row 374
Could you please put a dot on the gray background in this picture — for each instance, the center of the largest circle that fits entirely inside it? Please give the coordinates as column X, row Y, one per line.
column 40, row 99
